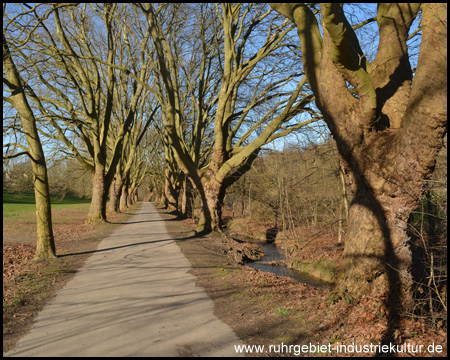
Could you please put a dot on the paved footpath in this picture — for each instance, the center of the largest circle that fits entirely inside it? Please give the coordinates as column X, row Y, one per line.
column 133, row 297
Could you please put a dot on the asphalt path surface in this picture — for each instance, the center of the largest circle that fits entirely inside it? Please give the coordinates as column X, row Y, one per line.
column 133, row 297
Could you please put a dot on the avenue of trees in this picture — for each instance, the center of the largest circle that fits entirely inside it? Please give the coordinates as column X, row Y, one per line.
column 187, row 95
column 234, row 93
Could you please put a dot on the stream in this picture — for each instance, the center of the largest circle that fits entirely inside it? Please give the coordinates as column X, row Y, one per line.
column 275, row 254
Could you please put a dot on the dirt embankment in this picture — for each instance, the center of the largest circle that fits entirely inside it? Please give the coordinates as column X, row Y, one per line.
column 266, row 309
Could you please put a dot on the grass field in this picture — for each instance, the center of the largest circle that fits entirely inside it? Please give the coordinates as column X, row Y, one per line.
column 19, row 216
column 22, row 205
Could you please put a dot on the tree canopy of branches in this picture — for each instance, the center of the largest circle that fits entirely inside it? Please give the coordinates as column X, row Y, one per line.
column 70, row 58
column 250, row 103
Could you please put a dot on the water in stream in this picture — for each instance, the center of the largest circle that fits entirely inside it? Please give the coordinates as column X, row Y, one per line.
column 273, row 253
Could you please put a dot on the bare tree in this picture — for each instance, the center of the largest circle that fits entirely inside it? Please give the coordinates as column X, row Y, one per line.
column 19, row 100
column 388, row 125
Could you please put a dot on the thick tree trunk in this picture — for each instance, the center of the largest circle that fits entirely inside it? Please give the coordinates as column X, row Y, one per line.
column 212, row 204
column 45, row 247
column 376, row 259
column 386, row 185
column 388, row 126
column 134, row 195
column 109, row 203
column 114, row 196
column 162, row 201
column 171, row 189
column 130, row 198
column 187, row 198
column 97, row 210
column 123, row 198
column 214, row 186
column 205, row 220
column 113, row 205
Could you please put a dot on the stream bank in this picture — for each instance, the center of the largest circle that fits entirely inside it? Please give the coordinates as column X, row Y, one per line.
column 274, row 261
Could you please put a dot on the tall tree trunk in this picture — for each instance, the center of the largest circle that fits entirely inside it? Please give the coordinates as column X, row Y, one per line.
column 45, row 247
column 162, row 201
column 171, row 189
column 97, row 210
column 204, row 221
column 214, row 195
column 213, row 205
column 376, row 257
column 215, row 183
column 123, row 198
column 113, row 205
column 211, row 190
column 187, row 198
column 130, row 199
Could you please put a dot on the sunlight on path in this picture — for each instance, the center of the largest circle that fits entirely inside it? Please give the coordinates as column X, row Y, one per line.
column 133, row 297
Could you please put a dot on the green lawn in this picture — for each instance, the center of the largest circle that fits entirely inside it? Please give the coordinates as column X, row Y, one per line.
column 22, row 204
